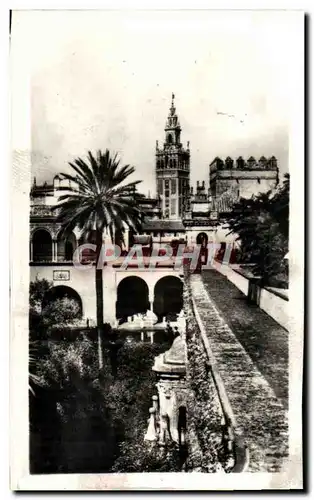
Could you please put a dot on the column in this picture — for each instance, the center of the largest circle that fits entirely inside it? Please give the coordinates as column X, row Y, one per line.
column 151, row 300
column 53, row 251
column 31, row 251
column 56, row 250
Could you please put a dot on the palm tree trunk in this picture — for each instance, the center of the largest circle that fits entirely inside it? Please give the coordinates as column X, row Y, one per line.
column 99, row 303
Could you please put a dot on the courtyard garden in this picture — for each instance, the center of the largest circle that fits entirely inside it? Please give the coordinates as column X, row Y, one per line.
column 79, row 423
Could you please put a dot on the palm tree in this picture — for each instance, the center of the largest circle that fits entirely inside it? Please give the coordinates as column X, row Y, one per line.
column 100, row 199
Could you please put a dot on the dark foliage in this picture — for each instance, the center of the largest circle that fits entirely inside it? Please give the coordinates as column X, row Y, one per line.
column 82, row 424
column 261, row 224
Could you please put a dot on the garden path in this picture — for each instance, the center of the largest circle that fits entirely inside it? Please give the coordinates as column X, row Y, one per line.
column 260, row 414
column 262, row 337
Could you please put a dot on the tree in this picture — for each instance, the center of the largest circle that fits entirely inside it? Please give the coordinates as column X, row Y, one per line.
column 261, row 224
column 37, row 291
column 100, row 199
column 280, row 205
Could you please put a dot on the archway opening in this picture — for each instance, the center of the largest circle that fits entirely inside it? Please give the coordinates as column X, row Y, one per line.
column 202, row 239
column 168, row 297
column 132, row 297
column 71, row 300
column 88, row 255
column 42, row 246
column 66, row 246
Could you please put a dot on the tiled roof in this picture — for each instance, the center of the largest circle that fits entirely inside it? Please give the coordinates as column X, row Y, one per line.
column 142, row 239
column 164, row 225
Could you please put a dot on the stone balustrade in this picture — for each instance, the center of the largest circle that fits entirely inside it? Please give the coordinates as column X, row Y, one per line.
column 43, row 211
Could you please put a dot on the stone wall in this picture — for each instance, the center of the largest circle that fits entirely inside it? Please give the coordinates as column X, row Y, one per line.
column 274, row 303
column 212, row 445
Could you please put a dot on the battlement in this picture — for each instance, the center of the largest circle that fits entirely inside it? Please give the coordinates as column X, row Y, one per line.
column 241, row 164
column 51, row 188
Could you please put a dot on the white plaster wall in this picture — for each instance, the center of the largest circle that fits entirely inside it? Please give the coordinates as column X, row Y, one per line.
column 272, row 304
column 276, row 307
column 237, row 279
column 217, row 235
column 82, row 280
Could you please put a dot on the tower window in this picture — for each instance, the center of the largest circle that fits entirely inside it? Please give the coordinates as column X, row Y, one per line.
column 173, row 207
column 173, row 186
column 169, row 139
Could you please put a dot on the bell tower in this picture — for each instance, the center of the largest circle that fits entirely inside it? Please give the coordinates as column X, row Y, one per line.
column 173, row 169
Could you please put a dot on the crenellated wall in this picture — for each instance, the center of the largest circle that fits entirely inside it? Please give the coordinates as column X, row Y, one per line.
column 246, row 177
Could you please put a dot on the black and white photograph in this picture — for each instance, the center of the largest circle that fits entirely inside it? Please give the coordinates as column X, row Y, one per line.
column 157, row 219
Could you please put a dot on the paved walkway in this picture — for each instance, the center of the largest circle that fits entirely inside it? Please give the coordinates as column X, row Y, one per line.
column 259, row 413
column 262, row 337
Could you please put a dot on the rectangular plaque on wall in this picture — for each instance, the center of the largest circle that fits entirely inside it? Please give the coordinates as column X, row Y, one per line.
column 60, row 275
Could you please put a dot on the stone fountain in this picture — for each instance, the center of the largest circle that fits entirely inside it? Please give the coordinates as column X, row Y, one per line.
column 170, row 369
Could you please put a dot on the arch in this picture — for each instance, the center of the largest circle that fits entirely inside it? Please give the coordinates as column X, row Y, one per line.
column 61, row 292
column 202, row 239
column 66, row 246
column 168, row 296
column 132, row 297
column 169, row 139
column 88, row 254
column 42, row 245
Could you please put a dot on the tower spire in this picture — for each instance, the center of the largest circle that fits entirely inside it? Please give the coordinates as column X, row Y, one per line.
column 172, row 108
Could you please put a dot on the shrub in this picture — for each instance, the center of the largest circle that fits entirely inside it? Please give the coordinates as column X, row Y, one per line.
column 61, row 312
column 140, row 456
column 80, row 424
column 68, row 365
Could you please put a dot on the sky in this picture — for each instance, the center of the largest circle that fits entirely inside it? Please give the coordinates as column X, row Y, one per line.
column 104, row 80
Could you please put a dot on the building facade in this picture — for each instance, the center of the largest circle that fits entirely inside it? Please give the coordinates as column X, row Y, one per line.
column 177, row 214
